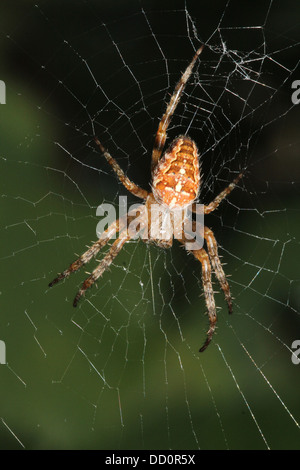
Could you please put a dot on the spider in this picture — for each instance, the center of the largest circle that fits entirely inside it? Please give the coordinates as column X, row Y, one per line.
column 175, row 185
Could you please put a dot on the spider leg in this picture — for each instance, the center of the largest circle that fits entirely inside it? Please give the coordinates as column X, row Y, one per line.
column 103, row 265
column 92, row 251
column 161, row 134
column 202, row 256
column 217, row 201
column 129, row 185
column 212, row 248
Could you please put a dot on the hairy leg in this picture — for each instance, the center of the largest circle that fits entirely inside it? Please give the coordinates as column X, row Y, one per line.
column 202, row 256
column 212, row 248
column 103, row 265
column 129, row 185
column 93, row 250
column 161, row 134
column 217, row 201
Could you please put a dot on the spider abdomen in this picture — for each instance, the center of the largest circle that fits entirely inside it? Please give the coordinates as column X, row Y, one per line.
column 176, row 178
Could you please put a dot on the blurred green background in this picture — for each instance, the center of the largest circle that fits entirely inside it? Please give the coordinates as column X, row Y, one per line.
column 122, row 371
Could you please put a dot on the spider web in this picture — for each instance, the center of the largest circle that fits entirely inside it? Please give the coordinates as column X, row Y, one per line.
column 122, row 371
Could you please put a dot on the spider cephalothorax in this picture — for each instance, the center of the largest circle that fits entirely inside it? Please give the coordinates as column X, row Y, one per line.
column 175, row 186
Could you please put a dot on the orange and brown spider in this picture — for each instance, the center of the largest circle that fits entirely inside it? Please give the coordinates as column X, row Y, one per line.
column 175, row 185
